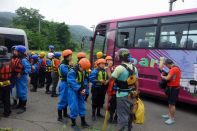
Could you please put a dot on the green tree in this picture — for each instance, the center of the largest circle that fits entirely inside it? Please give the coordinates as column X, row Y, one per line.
column 51, row 32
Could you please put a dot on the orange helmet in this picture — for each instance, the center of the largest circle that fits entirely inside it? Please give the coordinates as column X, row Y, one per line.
column 108, row 58
column 66, row 53
column 101, row 61
column 85, row 63
column 81, row 55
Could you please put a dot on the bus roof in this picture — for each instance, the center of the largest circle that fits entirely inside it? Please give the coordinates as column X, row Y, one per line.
column 179, row 12
column 5, row 30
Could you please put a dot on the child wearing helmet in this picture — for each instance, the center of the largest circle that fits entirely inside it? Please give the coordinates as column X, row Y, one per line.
column 54, row 74
column 111, row 93
column 77, row 91
column 22, row 78
column 63, row 86
column 34, row 72
column 99, row 55
column 81, row 55
column 42, row 62
column 99, row 80
column 48, row 72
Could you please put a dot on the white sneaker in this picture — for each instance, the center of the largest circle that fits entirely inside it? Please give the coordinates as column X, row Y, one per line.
column 165, row 116
column 170, row 121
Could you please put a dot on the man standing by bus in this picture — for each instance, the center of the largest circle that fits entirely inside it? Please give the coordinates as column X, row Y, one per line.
column 5, row 80
column 121, row 75
column 172, row 89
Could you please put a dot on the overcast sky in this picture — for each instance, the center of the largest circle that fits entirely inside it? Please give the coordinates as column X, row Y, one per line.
column 91, row 12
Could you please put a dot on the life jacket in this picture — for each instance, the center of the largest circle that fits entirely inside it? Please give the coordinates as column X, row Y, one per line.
column 48, row 68
column 17, row 65
column 60, row 74
column 80, row 76
column 125, row 85
column 43, row 63
column 55, row 64
column 5, row 74
column 101, row 75
column 110, row 89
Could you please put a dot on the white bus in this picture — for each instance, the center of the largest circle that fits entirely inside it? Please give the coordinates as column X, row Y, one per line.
column 12, row 36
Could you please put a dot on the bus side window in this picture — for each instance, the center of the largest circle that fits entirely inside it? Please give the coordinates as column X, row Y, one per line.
column 145, row 37
column 192, row 37
column 125, row 38
column 174, row 36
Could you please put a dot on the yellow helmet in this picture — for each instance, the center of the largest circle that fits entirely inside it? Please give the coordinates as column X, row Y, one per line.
column 42, row 54
column 33, row 53
column 99, row 55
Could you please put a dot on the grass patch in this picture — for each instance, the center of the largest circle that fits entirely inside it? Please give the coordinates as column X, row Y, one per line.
column 74, row 56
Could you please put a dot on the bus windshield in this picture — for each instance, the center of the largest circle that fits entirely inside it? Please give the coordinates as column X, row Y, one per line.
column 99, row 43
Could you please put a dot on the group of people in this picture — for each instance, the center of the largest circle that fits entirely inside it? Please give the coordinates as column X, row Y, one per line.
column 14, row 78
column 74, row 82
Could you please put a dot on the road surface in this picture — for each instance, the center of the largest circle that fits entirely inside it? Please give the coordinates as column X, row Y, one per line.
column 41, row 115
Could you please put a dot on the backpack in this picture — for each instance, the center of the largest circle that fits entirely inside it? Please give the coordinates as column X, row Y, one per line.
column 132, row 76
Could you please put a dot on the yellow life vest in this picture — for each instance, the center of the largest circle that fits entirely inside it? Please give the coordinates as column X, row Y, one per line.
column 102, row 75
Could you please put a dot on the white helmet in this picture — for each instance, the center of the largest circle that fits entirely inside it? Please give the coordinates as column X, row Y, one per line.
column 50, row 55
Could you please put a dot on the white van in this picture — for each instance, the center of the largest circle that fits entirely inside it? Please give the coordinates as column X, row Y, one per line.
column 12, row 36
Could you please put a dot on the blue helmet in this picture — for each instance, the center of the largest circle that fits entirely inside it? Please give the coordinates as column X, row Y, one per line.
column 20, row 48
column 51, row 47
column 57, row 54
column 35, row 57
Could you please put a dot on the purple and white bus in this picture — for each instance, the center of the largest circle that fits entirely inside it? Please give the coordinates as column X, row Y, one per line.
column 150, row 38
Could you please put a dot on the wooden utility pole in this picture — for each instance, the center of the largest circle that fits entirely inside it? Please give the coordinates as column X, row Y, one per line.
column 171, row 4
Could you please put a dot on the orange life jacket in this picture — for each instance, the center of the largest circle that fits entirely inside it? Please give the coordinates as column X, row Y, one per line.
column 5, row 72
column 55, row 64
column 44, row 63
column 17, row 65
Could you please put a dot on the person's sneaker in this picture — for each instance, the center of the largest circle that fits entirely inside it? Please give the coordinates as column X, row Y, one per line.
column 170, row 121
column 165, row 116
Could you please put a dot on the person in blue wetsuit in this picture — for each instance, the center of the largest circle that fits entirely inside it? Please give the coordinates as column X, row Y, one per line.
column 34, row 72
column 48, row 72
column 63, row 87
column 77, row 91
column 22, row 79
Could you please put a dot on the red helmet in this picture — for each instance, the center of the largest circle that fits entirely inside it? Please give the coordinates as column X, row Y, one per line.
column 85, row 63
